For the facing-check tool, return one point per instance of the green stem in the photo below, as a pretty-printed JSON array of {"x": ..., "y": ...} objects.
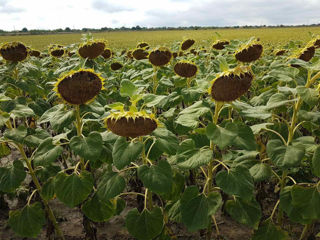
[
  {"x": 209, "y": 182},
  {"x": 155, "y": 80},
  {"x": 148, "y": 194},
  {"x": 38, "y": 186},
  {"x": 305, "y": 231},
  {"x": 282, "y": 185},
  {"x": 79, "y": 131}
]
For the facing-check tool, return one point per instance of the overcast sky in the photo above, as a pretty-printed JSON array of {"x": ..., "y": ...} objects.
[{"x": 44, "y": 14}]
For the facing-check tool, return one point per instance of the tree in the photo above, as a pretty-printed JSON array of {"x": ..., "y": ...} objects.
[{"x": 24, "y": 29}]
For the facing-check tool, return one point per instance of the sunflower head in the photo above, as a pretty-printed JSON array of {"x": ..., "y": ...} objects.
[
  {"x": 316, "y": 42},
  {"x": 185, "y": 69},
  {"x": 34, "y": 53},
  {"x": 220, "y": 44},
  {"x": 160, "y": 56},
  {"x": 79, "y": 87},
  {"x": 140, "y": 53},
  {"x": 186, "y": 44},
  {"x": 14, "y": 51},
  {"x": 91, "y": 48},
  {"x": 131, "y": 124},
  {"x": 231, "y": 84},
  {"x": 143, "y": 45},
  {"x": 116, "y": 66},
  {"x": 280, "y": 52},
  {"x": 129, "y": 54},
  {"x": 249, "y": 52},
  {"x": 304, "y": 54},
  {"x": 107, "y": 53},
  {"x": 56, "y": 50}
]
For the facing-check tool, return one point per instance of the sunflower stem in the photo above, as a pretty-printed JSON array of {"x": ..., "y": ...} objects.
[{"x": 78, "y": 126}]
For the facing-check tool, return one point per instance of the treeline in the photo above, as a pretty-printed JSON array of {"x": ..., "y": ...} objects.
[{"x": 25, "y": 31}]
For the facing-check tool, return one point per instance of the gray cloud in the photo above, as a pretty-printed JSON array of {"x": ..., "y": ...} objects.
[
  {"x": 234, "y": 12},
  {"x": 108, "y": 7},
  {"x": 5, "y": 7}
]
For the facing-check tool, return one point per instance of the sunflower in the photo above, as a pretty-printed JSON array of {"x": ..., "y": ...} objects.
[
  {"x": 220, "y": 44},
  {"x": 56, "y": 50},
  {"x": 131, "y": 124},
  {"x": 116, "y": 66},
  {"x": 107, "y": 53},
  {"x": 91, "y": 49},
  {"x": 304, "y": 54},
  {"x": 231, "y": 84},
  {"x": 280, "y": 52},
  {"x": 185, "y": 69},
  {"x": 249, "y": 52},
  {"x": 140, "y": 53},
  {"x": 143, "y": 45},
  {"x": 160, "y": 56},
  {"x": 79, "y": 87},
  {"x": 14, "y": 51},
  {"x": 34, "y": 53},
  {"x": 186, "y": 44}
]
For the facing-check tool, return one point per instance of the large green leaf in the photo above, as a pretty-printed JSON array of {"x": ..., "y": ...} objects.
[
  {"x": 194, "y": 209},
  {"x": 294, "y": 212},
  {"x": 16, "y": 134},
  {"x": 21, "y": 111},
  {"x": 58, "y": 116},
  {"x": 166, "y": 140},
  {"x": 220, "y": 136},
  {"x": 308, "y": 95},
  {"x": 316, "y": 162},
  {"x": 189, "y": 117},
  {"x": 127, "y": 88},
  {"x": 73, "y": 189},
  {"x": 308, "y": 199},
  {"x": 87, "y": 147},
  {"x": 157, "y": 177},
  {"x": 28, "y": 221},
  {"x": 237, "y": 181},
  {"x": 245, "y": 212},
  {"x": 260, "y": 172},
  {"x": 98, "y": 210},
  {"x": 214, "y": 202},
  {"x": 244, "y": 138},
  {"x": 11, "y": 177},
  {"x": 146, "y": 225},
  {"x": 47, "y": 153},
  {"x": 285, "y": 156},
  {"x": 267, "y": 230},
  {"x": 200, "y": 157},
  {"x": 124, "y": 152},
  {"x": 110, "y": 185}
]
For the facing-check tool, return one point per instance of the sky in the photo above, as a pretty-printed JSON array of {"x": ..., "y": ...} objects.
[{"x": 44, "y": 14}]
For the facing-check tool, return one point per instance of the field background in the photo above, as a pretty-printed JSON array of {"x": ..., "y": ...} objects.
[{"x": 129, "y": 39}]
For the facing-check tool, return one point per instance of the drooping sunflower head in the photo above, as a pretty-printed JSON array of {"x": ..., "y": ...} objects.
[
  {"x": 249, "y": 52},
  {"x": 280, "y": 52},
  {"x": 186, "y": 44},
  {"x": 14, "y": 51},
  {"x": 131, "y": 124},
  {"x": 305, "y": 54},
  {"x": 160, "y": 56},
  {"x": 143, "y": 45},
  {"x": 231, "y": 84},
  {"x": 91, "y": 48},
  {"x": 34, "y": 53},
  {"x": 107, "y": 53},
  {"x": 185, "y": 69},
  {"x": 129, "y": 54},
  {"x": 79, "y": 87},
  {"x": 316, "y": 42},
  {"x": 140, "y": 53},
  {"x": 220, "y": 44},
  {"x": 116, "y": 66},
  {"x": 56, "y": 50}
]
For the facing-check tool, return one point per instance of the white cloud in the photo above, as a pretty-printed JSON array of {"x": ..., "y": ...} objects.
[{"x": 45, "y": 14}]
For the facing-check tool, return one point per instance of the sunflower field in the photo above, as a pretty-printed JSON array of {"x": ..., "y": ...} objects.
[{"x": 177, "y": 141}]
